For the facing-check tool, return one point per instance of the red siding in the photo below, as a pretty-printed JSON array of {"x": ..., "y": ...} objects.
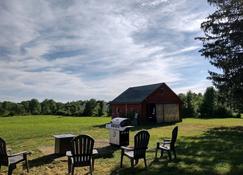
[{"x": 122, "y": 110}]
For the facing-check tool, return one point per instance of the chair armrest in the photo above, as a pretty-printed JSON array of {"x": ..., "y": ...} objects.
[
  {"x": 9, "y": 151},
  {"x": 69, "y": 154},
  {"x": 127, "y": 148},
  {"x": 166, "y": 141},
  {"x": 95, "y": 152},
  {"x": 21, "y": 153}
]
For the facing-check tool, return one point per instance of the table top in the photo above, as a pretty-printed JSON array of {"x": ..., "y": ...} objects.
[
  {"x": 64, "y": 136},
  {"x": 95, "y": 151}
]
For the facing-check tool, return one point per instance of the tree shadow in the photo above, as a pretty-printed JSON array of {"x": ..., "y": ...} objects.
[
  {"x": 217, "y": 151},
  {"x": 103, "y": 152},
  {"x": 43, "y": 160},
  {"x": 106, "y": 151},
  {"x": 151, "y": 125},
  {"x": 146, "y": 126}
]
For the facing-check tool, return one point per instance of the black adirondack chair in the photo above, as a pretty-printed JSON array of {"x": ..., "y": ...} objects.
[
  {"x": 81, "y": 153},
  {"x": 141, "y": 140},
  {"x": 12, "y": 160},
  {"x": 168, "y": 145}
]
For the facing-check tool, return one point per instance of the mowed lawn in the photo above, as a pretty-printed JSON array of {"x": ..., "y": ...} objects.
[{"x": 212, "y": 146}]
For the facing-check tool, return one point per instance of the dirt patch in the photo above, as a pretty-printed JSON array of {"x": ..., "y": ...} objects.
[
  {"x": 47, "y": 150},
  {"x": 101, "y": 143}
]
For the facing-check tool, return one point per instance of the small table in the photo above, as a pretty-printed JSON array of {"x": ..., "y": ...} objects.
[{"x": 63, "y": 143}]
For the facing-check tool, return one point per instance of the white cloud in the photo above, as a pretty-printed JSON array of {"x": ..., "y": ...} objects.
[{"x": 69, "y": 50}]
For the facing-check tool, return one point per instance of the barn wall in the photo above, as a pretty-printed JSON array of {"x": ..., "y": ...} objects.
[{"x": 123, "y": 110}]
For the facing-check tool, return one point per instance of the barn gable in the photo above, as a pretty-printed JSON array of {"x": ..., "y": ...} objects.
[{"x": 163, "y": 94}]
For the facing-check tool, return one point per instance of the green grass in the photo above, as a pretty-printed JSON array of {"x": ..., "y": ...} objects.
[{"x": 211, "y": 146}]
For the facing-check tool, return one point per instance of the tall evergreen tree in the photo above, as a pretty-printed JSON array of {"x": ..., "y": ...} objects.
[
  {"x": 208, "y": 105},
  {"x": 223, "y": 46}
]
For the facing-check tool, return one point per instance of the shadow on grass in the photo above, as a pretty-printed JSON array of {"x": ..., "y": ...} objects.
[
  {"x": 146, "y": 126},
  {"x": 46, "y": 159},
  {"x": 103, "y": 152},
  {"x": 106, "y": 151},
  {"x": 217, "y": 151}
]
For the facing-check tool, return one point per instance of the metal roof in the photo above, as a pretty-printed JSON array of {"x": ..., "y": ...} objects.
[{"x": 136, "y": 94}]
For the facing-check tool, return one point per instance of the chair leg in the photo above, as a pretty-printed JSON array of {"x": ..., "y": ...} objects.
[
  {"x": 90, "y": 169},
  {"x": 10, "y": 169},
  {"x": 156, "y": 153},
  {"x": 174, "y": 151},
  {"x": 132, "y": 163},
  {"x": 72, "y": 170},
  {"x": 27, "y": 164},
  {"x": 121, "y": 159},
  {"x": 145, "y": 163},
  {"x": 169, "y": 154},
  {"x": 69, "y": 165},
  {"x": 161, "y": 153},
  {"x": 93, "y": 164}
]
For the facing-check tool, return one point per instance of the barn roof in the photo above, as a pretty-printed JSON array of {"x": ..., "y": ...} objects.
[{"x": 136, "y": 94}]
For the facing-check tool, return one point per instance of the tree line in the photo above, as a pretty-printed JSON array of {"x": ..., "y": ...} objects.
[
  {"x": 90, "y": 107},
  {"x": 207, "y": 105}
]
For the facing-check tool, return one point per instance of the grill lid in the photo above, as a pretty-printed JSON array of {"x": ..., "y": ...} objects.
[{"x": 120, "y": 122}]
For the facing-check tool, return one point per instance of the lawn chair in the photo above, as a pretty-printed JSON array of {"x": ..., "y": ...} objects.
[
  {"x": 12, "y": 160},
  {"x": 81, "y": 153},
  {"x": 141, "y": 140},
  {"x": 168, "y": 145}
]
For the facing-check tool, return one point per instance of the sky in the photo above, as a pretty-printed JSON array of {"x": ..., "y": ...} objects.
[{"x": 82, "y": 49}]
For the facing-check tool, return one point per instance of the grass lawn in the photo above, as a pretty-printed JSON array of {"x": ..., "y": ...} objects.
[{"x": 212, "y": 146}]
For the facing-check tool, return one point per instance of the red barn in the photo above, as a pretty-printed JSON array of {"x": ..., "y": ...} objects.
[{"x": 155, "y": 102}]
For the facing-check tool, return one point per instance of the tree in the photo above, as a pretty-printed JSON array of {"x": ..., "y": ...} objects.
[
  {"x": 20, "y": 109},
  {"x": 26, "y": 105},
  {"x": 48, "y": 107},
  {"x": 208, "y": 105},
  {"x": 9, "y": 108},
  {"x": 89, "y": 107},
  {"x": 223, "y": 46},
  {"x": 190, "y": 109},
  {"x": 35, "y": 107}
]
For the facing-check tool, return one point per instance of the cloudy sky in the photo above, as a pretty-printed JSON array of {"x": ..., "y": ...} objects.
[{"x": 81, "y": 49}]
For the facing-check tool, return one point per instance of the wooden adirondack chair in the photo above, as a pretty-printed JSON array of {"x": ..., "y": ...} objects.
[
  {"x": 81, "y": 153},
  {"x": 141, "y": 140},
  {"x": 168, "y": 145},
  {"x": 12, "y": 160}
]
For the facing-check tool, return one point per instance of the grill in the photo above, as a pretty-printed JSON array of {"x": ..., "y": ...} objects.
[{"x": 119, "y": 131}]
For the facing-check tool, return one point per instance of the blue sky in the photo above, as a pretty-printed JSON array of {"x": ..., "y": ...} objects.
[{"x": 71, "y": 50}]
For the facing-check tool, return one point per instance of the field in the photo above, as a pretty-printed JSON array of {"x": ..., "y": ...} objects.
[{"x": 212, "y": 146}]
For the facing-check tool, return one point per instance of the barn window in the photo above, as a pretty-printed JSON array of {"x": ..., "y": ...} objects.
[{"x": 117, "y": 110}]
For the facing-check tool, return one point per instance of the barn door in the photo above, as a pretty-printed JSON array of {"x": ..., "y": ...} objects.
[
  {"x": 171, "y": 112},
  {"x": 159, "y": 113}
]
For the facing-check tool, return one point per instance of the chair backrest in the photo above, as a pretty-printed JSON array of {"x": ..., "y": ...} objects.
[
  {"x": 3, "y": 153},
  {"x": 174, "y": 136},
  {"x": 82, "y": 148},
  {"x": 141, "y": 140}
]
